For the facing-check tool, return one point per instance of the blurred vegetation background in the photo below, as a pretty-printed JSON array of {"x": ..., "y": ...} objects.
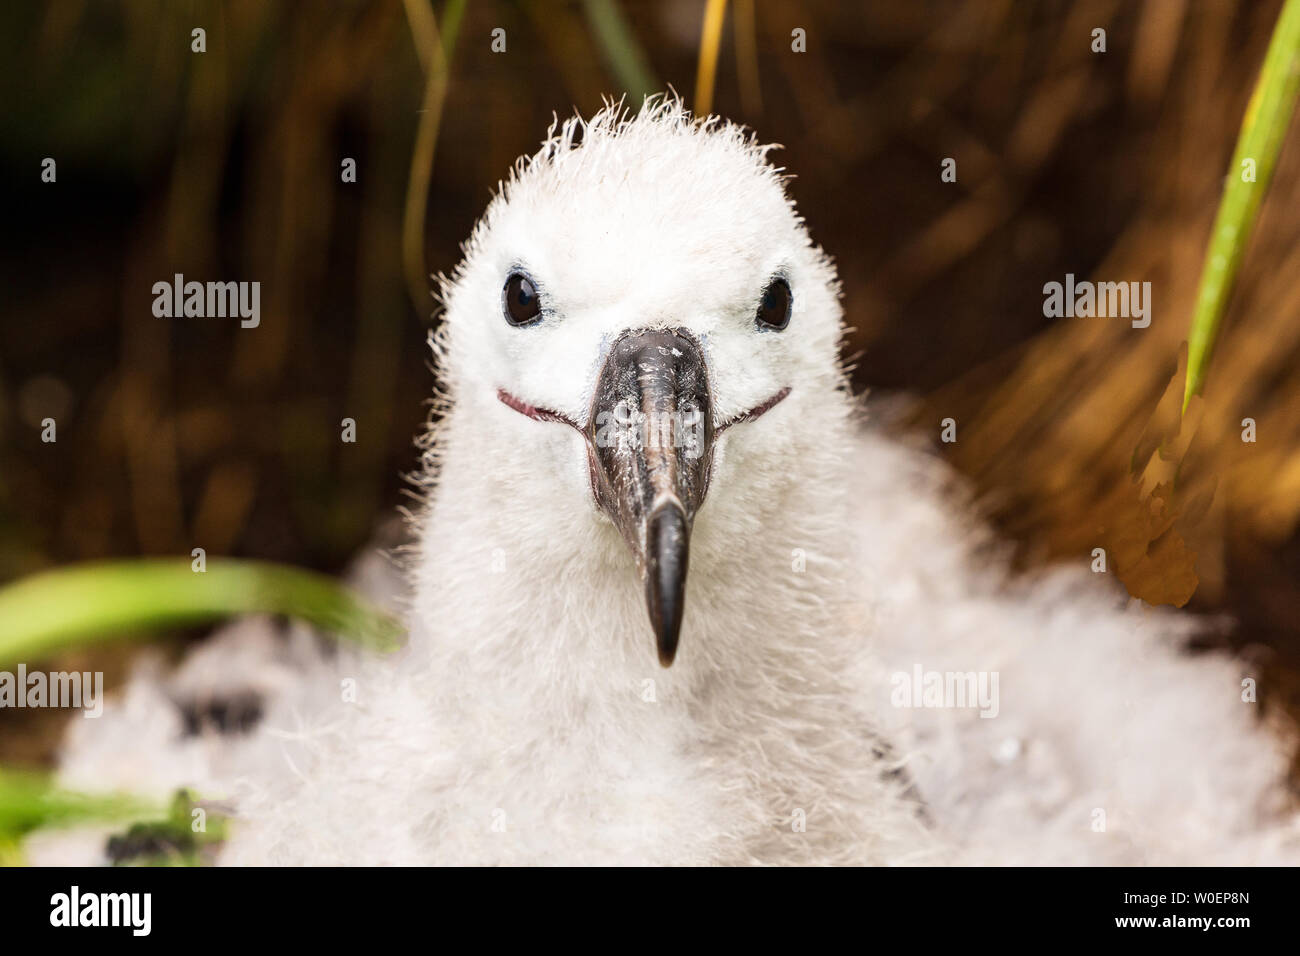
[{"x": 226, "y": 165}]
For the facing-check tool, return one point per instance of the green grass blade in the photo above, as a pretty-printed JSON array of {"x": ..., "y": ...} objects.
[
  {"x": 173, "y": 840},
  {"x": 1262, "y": 131},
  {"x": 57, "y": 609},
  {"x": 622, "y": 53},
  {"x": 30, "y": 801},
  {"x": 452, "y": 15}
]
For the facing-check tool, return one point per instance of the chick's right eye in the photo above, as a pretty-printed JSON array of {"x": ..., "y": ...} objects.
[
  {"x": 774, "y": 307},
  {"x": 522, "y": 303}
]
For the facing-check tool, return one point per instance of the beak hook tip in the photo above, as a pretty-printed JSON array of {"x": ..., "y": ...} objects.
[{"x": 667, "y": 541}]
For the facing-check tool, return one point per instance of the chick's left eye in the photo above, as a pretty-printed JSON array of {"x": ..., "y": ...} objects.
[
  {"x": 522, "y": 303},
  {"x": 774, "y": 308}
]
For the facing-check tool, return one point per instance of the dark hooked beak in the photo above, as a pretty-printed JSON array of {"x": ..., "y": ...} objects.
[{"x": 651, "y": 434}]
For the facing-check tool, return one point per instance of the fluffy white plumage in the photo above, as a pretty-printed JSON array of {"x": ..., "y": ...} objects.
[{"x": 528, "y": 720}]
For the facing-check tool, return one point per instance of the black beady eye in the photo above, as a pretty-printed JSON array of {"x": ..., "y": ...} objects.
[
  {"x": 774, "y": 307},
  {"x": 522, "y": 303}
]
